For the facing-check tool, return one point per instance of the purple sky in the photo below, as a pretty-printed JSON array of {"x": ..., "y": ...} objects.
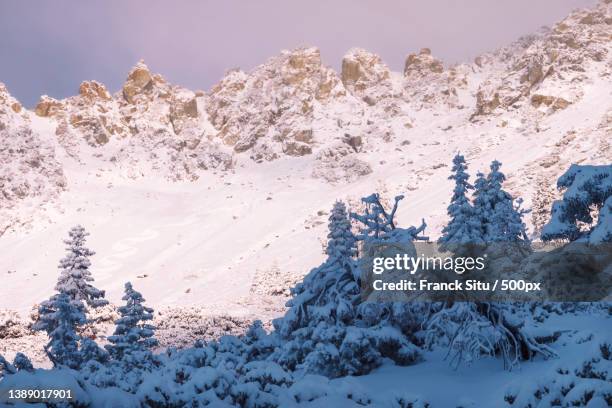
[{"x": 49, "y": 47}]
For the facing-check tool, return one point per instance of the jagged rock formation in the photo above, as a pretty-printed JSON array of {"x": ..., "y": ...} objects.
[
  {"x": 547, "y": 70},
  {"x": 294, "y": 105},
  {"x": 28, "y": 164},
  {"x": 366, "y": 76},
  {"x": 427, "y": 83},
  {"x": 271, "y": 111},
  {"x": 149, "y": 117}
]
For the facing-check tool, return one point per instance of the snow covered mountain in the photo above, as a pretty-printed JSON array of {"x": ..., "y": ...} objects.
[{"x": 201, "y": 196}]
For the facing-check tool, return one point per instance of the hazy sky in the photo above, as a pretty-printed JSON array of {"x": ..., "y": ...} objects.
[{"x": 49, "y": 47}]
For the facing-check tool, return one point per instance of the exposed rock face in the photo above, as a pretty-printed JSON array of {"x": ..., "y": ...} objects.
[
  {"x": 555, "y": 103},
  {"x": 138, "y": 81},
  {"x": 293, "y": 105},
  {"x": 422, "y": 64},
  {"x": 8, "y": 102},
  {"x": 546, "y": 70},
  {"x": 28, "y": 166},
  {"x": 93, "y": 90},
  {"x": 150, "y": 117},
  {"x": 366, "y": 76},
  {"x": 9, "y": 106},
  {"x": 427, "y": 83},
  {"x": 270, "y": 111},
  {"x": 48, "y": 106},
  {"x": 183, "y": 111}
]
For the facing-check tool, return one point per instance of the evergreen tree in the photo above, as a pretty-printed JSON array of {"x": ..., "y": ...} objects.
[
  {"x": 133, "y": 337},
  {"x": 501, "y": 219},
  {"x": 506, "y": 220},
  {"x": 325, "y": 331},
  {"x": 90, "y": 351},
  {"x": 378, "y": 224},
  {"x": 482, "y": 208},
  {"x": 330, "y": 291},
  {"x": 342, "y": 243},
  {"x": 376, "y": 221},
  {"x": 75, "y": 275},
  {"x": 587, "y": 188},
  {"x": 506, "y": 223},
  {"x": 59, "y": 317},
  {"x": 464, "y": 226},
  {"x": 22, "y": 362}
]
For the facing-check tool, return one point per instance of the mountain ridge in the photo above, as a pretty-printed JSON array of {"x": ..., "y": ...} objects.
[{"x": 154, "y": 169}]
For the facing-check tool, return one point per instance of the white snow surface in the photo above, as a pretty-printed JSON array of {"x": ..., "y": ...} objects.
[
  {"x": 201, "y": 242},
  {"x": 210, "y": 235}
]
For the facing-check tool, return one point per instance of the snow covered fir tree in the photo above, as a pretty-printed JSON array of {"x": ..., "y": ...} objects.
[
  {"x": 491, "y": 216},
  {"x": 59, "y": 317},
  {"x": 464, "y": 227},
  {"x": 75, "y": 277},
  {"x": 587, "y": 188},
  {"x": 330, "y": 341},
  {"x": 326, "y": 329},
  {"x": 133, "y": 337},
  {"x": 501, "y": 216}
]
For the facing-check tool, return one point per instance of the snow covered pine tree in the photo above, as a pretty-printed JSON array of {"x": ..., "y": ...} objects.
[
  {"x": 323, "y": 331},
  {"x": 475, "y": 329},
  {"x": 59, "y": 317},
  {"x": 586, "y": 188},
  {"x": 133, "y": 338},
  {"x": 75, "y": 275},
  {"x": 501, "y": 219},
  {"x": 464, "y": 228},
  {"x": 73, "y": 285}
]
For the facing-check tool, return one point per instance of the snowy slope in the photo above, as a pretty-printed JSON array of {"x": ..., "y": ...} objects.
[
  {"x": 243, "y": 206},
  {"x": 212, "y": 234}
]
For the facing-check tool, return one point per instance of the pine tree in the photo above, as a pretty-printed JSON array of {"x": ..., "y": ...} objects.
[
  {"x": 501, "y": 219},
  {"x": 342, "y": 244},
  {"x": 133, "y": 337},
  {"x": 6, "y": 367},
  {"x": 482, "y": 208},
  {"x": 506, "y": 224},
  {"x": 90, "y": 351},
  {"x": 376, "y": 221},
  {"x": 464, "y": 227},
  {"x": 59, "y": 317},
  {"x": 506, "y": 220},
  {"x": 378, "y": 224},
  {"x": 586, "y": 188},
  {"x": 75, "y": 275},
  {"x": 329, "y": 291},
  {"x": 324, "y": 331}
]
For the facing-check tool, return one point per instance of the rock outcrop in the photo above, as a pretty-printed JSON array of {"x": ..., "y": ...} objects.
[
  {"x": 366, "y": 76},
  {"x": 149, "y": 118},
  {"x": 270, "y": 111},
  {"x": 29, "y": 168},
  {"x": 546, "y": 71},
  {"x": 422, "y": 64},
  {"x": 428, "y": 83},
  {"x": 339, "y": 163}
]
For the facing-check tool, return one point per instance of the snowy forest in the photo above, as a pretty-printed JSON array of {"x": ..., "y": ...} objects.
[{"x": 331, "y": 348}]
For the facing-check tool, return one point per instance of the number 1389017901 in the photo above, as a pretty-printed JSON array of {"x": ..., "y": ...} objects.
[{"x": 39, "y": 395}]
